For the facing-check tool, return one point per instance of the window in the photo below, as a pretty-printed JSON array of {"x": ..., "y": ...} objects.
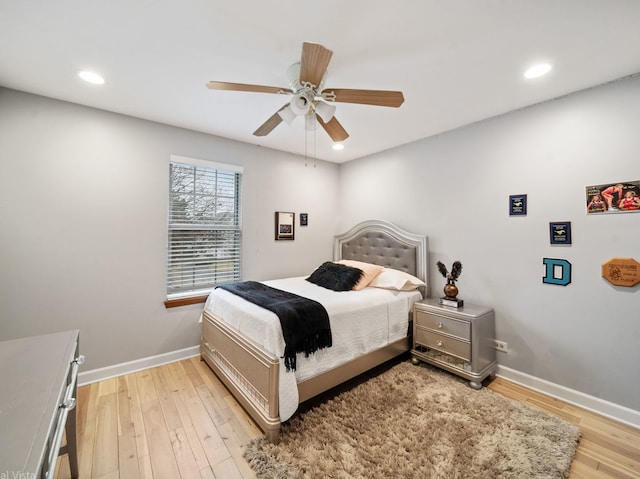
[{"x": 205, "y": 234}]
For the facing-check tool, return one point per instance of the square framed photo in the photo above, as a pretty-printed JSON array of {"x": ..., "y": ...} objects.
[
  {"x": 517, "y": 205},
  {"x": 285, "y": 225},
  {"x": 560, "y": 233}
]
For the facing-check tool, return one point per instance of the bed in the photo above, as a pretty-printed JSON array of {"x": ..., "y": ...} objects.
[{"x": 242, "y": 343}]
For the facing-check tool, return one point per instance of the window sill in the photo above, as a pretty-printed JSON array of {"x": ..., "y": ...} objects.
[{"x": 174, "y": 303}]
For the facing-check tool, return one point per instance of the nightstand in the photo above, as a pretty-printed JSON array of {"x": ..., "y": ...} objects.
[{"x": 459, "y": 340}]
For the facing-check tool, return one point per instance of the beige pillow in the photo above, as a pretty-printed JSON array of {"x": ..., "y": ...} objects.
[
  {"x": 391, "y": 278},
  {"x": 369, "y": 272}
]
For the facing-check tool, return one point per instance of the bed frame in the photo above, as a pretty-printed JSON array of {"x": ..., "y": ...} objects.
[{"x": 252, "y": 375}]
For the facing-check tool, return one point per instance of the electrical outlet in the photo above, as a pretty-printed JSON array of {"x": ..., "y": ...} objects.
[{"x": 500, "y": 346}]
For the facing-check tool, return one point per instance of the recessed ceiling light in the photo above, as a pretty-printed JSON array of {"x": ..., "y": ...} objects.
[
  {"x": 91, "y": 77},
  {"x": 537, "y": 70},
  {"x": 338, "y": 146}
]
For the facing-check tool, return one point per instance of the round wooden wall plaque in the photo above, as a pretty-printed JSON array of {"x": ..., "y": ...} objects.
[{"x": 622, "y": 271}]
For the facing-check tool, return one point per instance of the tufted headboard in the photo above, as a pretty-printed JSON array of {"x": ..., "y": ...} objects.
[{"x": 383, "y": 243}]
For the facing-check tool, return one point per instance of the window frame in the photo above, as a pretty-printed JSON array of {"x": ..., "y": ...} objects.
[{"x": 199, "y": 295}]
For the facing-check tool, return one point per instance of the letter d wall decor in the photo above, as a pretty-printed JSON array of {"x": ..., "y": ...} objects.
[{"x": 557, "y": 271}]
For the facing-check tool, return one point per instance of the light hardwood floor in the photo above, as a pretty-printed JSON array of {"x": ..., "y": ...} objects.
[{"x": 179, "y": 421}]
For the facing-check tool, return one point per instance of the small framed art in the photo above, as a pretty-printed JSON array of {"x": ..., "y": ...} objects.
[
  {"x": 285, "y": 225},
  {"x": 304, "y": 219},
  {"x": 517, "y": 205},
  {"x": 560, "y": 233}
]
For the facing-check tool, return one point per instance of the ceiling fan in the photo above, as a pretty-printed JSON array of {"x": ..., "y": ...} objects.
[{"x": 310, "y": 98}]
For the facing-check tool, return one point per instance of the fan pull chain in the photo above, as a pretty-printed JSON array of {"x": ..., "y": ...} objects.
[
  {"x": 308, "y": 119},
  {"x": 315, "y": 129}
]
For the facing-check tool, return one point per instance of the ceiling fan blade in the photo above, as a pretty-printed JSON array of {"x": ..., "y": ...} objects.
[
  {"x": 268, "y": 126},
  {"x": 220, "y": 85},
  {"x": 365, "y": 97},
  {"x": 334, "y": 129},
  {"x": 314, "y": 63}
]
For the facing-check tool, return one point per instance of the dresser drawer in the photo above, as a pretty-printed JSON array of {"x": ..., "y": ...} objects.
[
  {"x": 454, "y": 327},
  {"x": 446, "y": 344}
]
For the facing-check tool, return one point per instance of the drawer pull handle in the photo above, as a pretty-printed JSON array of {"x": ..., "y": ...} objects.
[
  {"x": 439, "y": 325},
  {"x": 439, "y": 343},
  {"x": 69, "y": 404}
]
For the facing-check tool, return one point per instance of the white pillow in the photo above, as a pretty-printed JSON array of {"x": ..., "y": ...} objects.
[
  {"x": 369, "y": 272},
  {"x": 391, "y": 278}
]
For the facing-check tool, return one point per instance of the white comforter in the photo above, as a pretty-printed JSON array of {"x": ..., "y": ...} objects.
[{"x": 361, "y": 321}]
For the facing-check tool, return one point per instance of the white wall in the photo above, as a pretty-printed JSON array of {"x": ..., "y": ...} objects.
[
  {"x": 455, "y": 188},
  {"x": 83, "y": 197},
  {"x": 83, "y": 208}
]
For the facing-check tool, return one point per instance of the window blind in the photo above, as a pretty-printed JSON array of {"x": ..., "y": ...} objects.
[{"x": 205, "y": 235}]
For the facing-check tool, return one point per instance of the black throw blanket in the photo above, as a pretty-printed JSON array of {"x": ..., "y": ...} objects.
[{"x": 305, "y": 322}]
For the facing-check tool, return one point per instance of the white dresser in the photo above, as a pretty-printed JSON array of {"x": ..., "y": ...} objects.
[{"x": 37, "y": 404}]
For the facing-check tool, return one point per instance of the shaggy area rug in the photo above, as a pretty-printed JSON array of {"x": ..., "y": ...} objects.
[{"x": 418, "y": 422}]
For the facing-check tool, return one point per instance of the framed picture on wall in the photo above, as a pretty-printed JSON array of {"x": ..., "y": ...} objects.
[
  {"x": 285, "y": 225},
  {"x": 560, "y": 233},
  {"x": 304, "y": 219},
  {"x": 517, "y": 205},
  {"x": 620, "y": 197}
]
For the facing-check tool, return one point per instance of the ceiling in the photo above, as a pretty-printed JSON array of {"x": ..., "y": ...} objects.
[{"x": 457, "y": 62}]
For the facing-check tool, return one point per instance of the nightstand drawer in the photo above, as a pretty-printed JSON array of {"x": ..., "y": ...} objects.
[
  {"x": 446, "y": 344},
  {"x": 444, "y": 325}
]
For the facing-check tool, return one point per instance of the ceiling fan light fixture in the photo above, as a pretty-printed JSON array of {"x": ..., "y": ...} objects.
[
  {"x": 338, "y": 146},
  {"x": 293, "y": 74},
  {"x": 325, "y": 111},
  {"x": 287, "y": 115},
  {"x": 301, "y": 103}
]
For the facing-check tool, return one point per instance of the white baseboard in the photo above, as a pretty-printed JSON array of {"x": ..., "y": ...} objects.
[
  {"x": 599, "y": 406},
  {"x": 95, "y": 375}
]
